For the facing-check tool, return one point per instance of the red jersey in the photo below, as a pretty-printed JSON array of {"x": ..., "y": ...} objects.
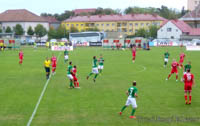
[
  {"x": 175, "y": 65},
  {"x": 182, "y": 56},
  {"x": 74, "y": 72},
  {"x": 53, "y": 60},
  {"x": 21, "y": 54},
  {"x": 188, "y": 79}
]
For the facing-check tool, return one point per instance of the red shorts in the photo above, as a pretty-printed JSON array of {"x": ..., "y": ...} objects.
[
  {"x": 174, "y": 71},
  {"x": 188, "y": 87},
  {"x": 20, "y": 58},
  {"x": 54, "y": 65},
  {"x": 133, "y": 54},
  {"x": 181, "y": 62},
  {"x": 75, "y": 78}
]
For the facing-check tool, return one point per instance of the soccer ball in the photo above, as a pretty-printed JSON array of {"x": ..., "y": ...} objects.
[{"x": 123, "y": 49}]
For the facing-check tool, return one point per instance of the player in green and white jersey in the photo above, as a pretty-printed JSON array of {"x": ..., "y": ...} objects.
[
  {"x": 94, "y": 69},
  {"x": 69, "y": 75},
  {"x": 66, "y": 55},
  {"x": 187, "y": 67},
  {"x": 101, "y": 62},
  {"x": 166, "y": 59},
  {"x": 132, "y": 95}
]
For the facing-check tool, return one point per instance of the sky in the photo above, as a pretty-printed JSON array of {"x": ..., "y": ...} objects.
[{"x": 59, "y": 6}]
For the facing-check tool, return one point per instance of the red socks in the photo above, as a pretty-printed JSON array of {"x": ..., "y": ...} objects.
[
  {"x": 176, "y": 77},
  {"x": 169, "y": 76},
  {"x": 185, "y": 97},
  {"x": 190, "y": 98}
]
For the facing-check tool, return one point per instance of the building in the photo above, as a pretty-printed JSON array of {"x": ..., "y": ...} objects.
[
  {"x": 177, "y": 29},
  {"x": 128, "y": 24},
  {"x": 53, "y": 22},
  {"x": 23, "y": 17},
  {"x": 80, "y": 11},
  {"x": 192, "y": 4},
  {"x": 193, "y": 18}
]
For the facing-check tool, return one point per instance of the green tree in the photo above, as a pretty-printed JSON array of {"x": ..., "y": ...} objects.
[
  {"x": 142, "y": 33},
  {"x": 8, "y": 30},
  {"x": 73, "y": 29},
  {"x": 18, "y": 30},
  {"x": 1, "y": 30},
  {"x": 30, "y": 31},
  {"x": 40, "y": 31},
  {"x": 62, "y": 32},
  {"x": 153, "y": 31},
  {"x": 52, "y": 34}
]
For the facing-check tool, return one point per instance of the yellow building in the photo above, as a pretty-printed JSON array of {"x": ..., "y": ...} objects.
[{"x": 128, "y": 24}]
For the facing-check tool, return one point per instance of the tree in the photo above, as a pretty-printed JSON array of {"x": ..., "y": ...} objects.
[
  {"x": 1, "y": 30},
  {"x": 18, "y": 30},
  {"x": 73, "y": 29},
  {"x": 52, "y": 34},
  {"x": 30, "y": 31},
  {"x": 141, "y": 33},
  {"x": 62, "y": 32},
  {"x": 8, "y": 29},
  {"x": 153, "y": 31},
  {"x": 40, "y": 30}
]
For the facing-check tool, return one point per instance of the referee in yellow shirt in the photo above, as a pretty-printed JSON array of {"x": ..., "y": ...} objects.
[{"x": 47, "y": 64}]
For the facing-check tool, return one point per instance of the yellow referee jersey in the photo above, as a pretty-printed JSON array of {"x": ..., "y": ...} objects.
[{"x": 47, "y": 63}]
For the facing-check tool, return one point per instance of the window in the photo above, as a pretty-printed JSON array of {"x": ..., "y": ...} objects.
[
  {"x": 81, "y": 24},
  {"x": 131, "y": 24},
  {"x": 161, "y": 30},
  {"x": 77, "y": 25},
  {"x": 136, "y": 24},
  {"x": 169, "y": 29},
  {"x": 97, "y": 24},
  {"x": 176, "y": 30},
  {"x": 113, "y": 24},
  {"x": 142, "y": 24},
  {"x": 112, "y": 30},
  {"x": 108, "y": 25},
  {"x": 136, "y": 31},
  {"x": 72, "y": 25},
  {"x": 196, "y": 2},
  {"x": 147, "y": 24},
  {"x": 130, "y": 30},
  {"x": 67, "y": 24},
  {"x": 102, "y": 24}
]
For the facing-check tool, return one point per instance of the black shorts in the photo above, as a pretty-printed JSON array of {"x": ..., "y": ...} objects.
[{"x": 47, "y": 69}]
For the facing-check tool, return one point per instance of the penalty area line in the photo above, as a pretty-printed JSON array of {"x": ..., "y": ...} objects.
[{"x": 40, "y": 98}]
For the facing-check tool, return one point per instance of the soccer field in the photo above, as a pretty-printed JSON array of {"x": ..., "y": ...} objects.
[{"x": 160, "y": 102}]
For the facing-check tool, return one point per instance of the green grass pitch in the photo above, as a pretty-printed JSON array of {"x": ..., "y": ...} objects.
[{"x": 160, "y": 102}]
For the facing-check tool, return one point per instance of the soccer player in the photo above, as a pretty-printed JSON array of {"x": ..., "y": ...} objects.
[
  {"x": 133, "y": 53},
  {"x": 166, "y": 59},
  {"x": 132, "y": 95},
  {"x": 101, "y": 62},
  {"x": 69, "y": 75},
  {"x": 21, "y": 57},
  {"x": 182, "y": 56},
  {"x": 187, "y": 67},
  {"x": 47, "y": 64},
  {"x": 74, "y": 71},
  {"x": 174, "y": 69},
  {"x": 94, "y": 69},
  {"x": 66, "y": 55},
  {"x": 188, "y": 79},
  {"x": 54, "y": 62}
]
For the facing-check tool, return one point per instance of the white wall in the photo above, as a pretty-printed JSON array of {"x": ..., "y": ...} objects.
[
  {"x": 164, "y": 34},
  {"x": 25, "y": 25}
]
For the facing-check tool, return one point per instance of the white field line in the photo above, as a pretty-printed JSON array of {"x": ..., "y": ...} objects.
[{"x": 40, "y": 98}]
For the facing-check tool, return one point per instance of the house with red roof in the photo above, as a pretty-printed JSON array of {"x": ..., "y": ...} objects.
[
  {"x": 53, "y": 22},
  {"x": 23, "y": 17},
  {"x": 177, "y": 29},
  {"x": 80, "y": 11}
]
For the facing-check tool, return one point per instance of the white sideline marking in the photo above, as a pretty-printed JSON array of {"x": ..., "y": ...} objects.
[{"x": 40, "y": 98}]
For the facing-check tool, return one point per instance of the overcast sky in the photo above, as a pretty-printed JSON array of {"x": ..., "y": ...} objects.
[{"x": 58, "y": 6}]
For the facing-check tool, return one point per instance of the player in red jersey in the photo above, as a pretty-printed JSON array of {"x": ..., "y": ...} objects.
[
  {"x": 134, "y": 53},
  {"x": 182, "y": 56},
  {"x": 174, "y": 69},
  {"x": 54, "y": 62},
  {"x": 188, "y": 79},
  {"x": 76, "y": 83},
  {"x": 21, "y": 57}
]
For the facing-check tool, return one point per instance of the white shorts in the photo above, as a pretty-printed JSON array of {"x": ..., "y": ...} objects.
[
  {"x": 100, "y": 67},
  {"x": 95, "y": 70},
  {"x": 66, "y": 57},
  {"x": 131, "y": 101},
  {"x": 70, "y": 76},
  {"x": 166, "y": 59}
]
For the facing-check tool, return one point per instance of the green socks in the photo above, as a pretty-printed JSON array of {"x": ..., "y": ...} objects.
[
  {"x": 133, "y": 111},
  {"x": 95, "y": 76},
  {"x": 123, "y": 108}
]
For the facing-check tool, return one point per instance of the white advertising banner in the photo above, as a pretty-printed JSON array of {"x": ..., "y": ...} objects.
[
  {"x": 61, "y": 48},
  {"x": 193, "y": 48}
]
